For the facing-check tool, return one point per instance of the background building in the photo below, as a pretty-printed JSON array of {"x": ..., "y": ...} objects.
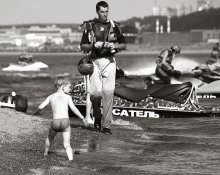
[{"x": 204, "y": 5}]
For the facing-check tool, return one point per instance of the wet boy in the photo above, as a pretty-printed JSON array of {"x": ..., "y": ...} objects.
[{"x": 60, "y": 101}]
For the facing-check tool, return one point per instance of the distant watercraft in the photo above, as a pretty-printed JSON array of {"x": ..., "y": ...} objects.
[{"x": 26, "y": 63}]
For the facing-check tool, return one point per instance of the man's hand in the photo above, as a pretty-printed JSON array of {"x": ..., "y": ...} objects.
[
  {"x": 176, "y": 73},
  {"x": 109, "y": 45},
  {"x": 98, "y": 44}
]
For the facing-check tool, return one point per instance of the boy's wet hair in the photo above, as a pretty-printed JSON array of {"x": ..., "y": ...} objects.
[{"x": 61, "y": 81}]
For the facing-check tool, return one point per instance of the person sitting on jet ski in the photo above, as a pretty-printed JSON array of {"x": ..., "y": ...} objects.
[
  {"x": 165, "y": 69},
  {"x": 25, "y": 59},
  {"x": 210, "y": 68}
]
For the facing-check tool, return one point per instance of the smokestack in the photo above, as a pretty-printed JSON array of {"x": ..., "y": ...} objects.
[
  {"x": 168, "y": 25},
  {"x": 157, "y": 26},
  {"x": 161, "y": 29}
]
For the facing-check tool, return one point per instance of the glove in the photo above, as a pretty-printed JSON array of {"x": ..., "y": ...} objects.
[
  {"x": 176, "y": 73},
  {"x": 170, "y": 72},
  {"x": 109, "y": 45},
  {"x": 196, "y": 68},
  {"x": 98, "y": 44}
]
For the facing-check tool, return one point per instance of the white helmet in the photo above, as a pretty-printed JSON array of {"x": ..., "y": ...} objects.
[{"x": 13, "y": 93}]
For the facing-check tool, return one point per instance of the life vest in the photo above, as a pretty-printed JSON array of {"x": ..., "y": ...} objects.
[
  {"x": 169, "y": 58},
  {"x": 95, "y": 28},
  {"x": 101, "y": 31}
]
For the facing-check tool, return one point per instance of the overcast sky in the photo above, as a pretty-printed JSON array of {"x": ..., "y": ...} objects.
[{"x": 77, "y": 11}]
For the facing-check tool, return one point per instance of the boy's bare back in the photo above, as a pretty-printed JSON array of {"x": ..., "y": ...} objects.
[{"x": 59, "y": 102}]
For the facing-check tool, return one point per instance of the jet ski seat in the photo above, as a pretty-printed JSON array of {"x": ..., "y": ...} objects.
[{"x": 173, "y": 92}]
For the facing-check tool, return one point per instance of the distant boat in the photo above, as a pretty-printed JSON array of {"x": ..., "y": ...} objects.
[{"x": 26, "y": 63}]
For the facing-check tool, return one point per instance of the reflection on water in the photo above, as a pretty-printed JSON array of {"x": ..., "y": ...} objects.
[
  {"x": 163, "y": 146},
  {"x": 91, "y": 145}
]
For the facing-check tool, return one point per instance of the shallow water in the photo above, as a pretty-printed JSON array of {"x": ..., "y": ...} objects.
[{"x": 137, "y": 145}]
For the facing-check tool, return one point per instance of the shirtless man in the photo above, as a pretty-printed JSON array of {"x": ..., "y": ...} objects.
[{"x": 60, "y": 101}]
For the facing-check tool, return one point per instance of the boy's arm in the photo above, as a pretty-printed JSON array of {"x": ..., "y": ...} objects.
[
  {"x": 42, "y": 106},
  {"x": 75, "y": 110}
]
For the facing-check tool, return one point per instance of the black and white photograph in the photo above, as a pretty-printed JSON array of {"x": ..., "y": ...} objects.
[{"x": 92, "y": 87}]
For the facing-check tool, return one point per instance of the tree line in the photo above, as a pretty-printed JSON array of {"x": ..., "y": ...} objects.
[{"x": 206, "y": 19}]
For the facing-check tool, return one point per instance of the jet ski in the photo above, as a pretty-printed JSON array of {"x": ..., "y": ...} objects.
[
  {"x": 26, "y": 63},
  {"x": 170, "y": 100},
  {"x": 35, "y": 66},
  {"x": 207, "y": 85},
  {"x": 14, "y": 101}
]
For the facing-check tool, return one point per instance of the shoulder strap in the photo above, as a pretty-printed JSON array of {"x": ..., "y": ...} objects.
[
  {"x": 87, "y": 26},
  {"x": 112, "y": 23},
  {"x": 111, "y": 30}
]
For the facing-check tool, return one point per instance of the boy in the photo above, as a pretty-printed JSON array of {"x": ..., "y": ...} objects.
[{"x": 60, "y": 101}]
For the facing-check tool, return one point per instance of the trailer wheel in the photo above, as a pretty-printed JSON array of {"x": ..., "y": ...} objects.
[{"x": 21, "y": 103}]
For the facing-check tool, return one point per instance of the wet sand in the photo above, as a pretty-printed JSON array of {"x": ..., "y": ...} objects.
[
  {"x": 22, "y": 144},
  {"x": 137, "y": 146}
]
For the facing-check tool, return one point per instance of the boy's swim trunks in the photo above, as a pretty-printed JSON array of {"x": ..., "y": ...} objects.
[{"x": 60, "y": 125}]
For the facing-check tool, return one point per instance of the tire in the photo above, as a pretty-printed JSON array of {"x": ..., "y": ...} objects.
[{"x": 21, "y": 103}]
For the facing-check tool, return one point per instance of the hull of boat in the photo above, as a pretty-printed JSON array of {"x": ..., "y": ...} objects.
[
  {"x": 36, "y": 66},
  {"x": 120, "y": 111}
]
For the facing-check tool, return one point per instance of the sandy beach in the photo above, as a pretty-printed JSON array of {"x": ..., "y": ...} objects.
[
  {"x": 22, "y": 144},
  {"x": 166, "y": 146}
]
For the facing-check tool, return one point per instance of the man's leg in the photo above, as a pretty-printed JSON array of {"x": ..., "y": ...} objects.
[
  {"x": 164, "y": 77},
  {"x": 108, "y": 94},
  {"x": 49, "y": 140},
  {"x": 66, "y": 143},
  {"x": 96, "y": 95}
]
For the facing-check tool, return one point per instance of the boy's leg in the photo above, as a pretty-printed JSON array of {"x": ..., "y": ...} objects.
[
  {"x": 49, "y": 140},
  {"x": 66, "y": 143}
]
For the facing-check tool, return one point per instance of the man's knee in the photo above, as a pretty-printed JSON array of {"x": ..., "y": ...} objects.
[
  {"x": 96, "y": 93},
  {"x": 109, "y": 91}
]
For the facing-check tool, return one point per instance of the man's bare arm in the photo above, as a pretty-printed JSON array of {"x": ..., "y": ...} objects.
[
  {"x": 86, "y": 47},
  {"x": 121, "y": 46}
]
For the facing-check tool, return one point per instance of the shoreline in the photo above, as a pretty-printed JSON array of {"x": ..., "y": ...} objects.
[
  {"x": 135, "y": 147},
  {"x": 129, "y": 52}
]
